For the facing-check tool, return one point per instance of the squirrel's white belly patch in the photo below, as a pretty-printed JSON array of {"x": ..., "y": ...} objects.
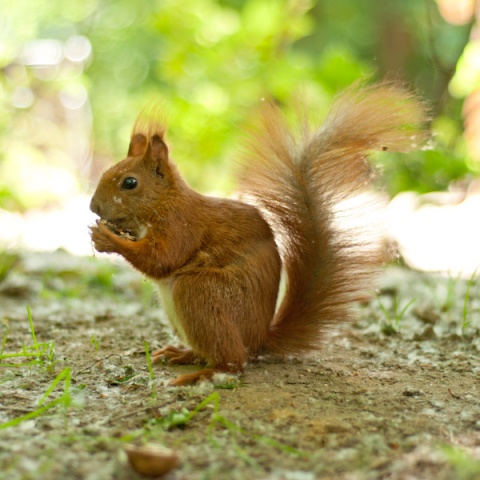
[{"x": 165, "y": 292}]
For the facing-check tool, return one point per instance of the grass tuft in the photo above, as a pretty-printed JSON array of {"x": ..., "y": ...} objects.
[
  {"x": 391, "y": 324},
  {"x": 466, "y": 320},
  {"x": 36, "y": 354},
  {"x": 65, "y": 400}
]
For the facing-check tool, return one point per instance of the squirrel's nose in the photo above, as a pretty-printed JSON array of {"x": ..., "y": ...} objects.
[{"x": 95, "y": 206}]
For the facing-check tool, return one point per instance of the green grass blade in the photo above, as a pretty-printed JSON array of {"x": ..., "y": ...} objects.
[
  {"x": 32, "y": 329},
  {"x": 150, "y": 370}
]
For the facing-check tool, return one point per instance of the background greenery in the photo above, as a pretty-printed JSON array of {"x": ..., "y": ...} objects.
[{"x": 74, "y": 75}]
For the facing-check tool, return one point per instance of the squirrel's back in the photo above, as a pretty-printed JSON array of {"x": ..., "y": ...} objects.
[{"x": 300, "y": 180}]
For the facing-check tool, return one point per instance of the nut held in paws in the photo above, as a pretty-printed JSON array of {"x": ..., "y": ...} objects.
[{"x": 117, "y": 230}]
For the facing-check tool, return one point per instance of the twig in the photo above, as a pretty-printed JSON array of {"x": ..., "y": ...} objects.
[
  {"x": 97, "y": 361},
  {"x": 455, "y": 396},
  {"x": 15, "y": 409},
  {"x": 134, "y": 411}
]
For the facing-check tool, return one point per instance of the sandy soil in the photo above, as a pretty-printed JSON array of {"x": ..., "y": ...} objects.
[{"x": 394, "y": 395}]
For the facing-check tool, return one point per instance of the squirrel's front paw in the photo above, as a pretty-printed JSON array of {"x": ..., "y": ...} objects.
[
  {"x": 175, "y": 355},
  {"x": 103, "y": 239}
]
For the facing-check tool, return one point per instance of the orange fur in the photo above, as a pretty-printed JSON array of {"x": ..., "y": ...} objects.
[{"x": 218, "y": 261}]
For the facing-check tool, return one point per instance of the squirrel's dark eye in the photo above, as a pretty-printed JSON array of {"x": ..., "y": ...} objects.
[{"x": 129, "y": 183}]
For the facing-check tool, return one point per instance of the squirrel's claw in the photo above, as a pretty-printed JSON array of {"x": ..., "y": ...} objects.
[{"x": 174, "y": 356}]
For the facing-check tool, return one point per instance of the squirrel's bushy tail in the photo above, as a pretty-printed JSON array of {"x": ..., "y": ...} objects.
[{"x": 300, "y": 179}]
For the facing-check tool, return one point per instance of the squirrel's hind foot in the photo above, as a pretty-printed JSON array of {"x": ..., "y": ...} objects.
[
  {"x": 207, "y": 374},
  {"x": 193, "y": 378}
]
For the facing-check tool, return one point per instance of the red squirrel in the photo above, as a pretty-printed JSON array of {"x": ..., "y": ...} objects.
[{"x": 217, "y": 261}]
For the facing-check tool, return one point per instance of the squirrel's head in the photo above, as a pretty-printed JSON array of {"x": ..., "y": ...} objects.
[{"x": 133, "y": 193}]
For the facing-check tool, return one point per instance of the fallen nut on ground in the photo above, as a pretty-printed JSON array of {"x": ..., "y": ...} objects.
[{"x": 151, "y": 460}]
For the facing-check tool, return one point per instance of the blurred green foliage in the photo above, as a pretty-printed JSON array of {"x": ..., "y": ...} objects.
[{"x": 74, "y": 75}]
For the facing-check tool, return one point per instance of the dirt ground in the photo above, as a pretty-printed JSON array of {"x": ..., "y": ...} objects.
[{"x": 394, "y": 395}]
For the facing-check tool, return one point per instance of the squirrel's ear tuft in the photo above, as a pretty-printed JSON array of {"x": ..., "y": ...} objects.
[
  {"x": 157, "y": 154},
  {"x": 148, "y": 133},
  {"x": 138, "y": 145},
  {"x": 151, "y": 121}
]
